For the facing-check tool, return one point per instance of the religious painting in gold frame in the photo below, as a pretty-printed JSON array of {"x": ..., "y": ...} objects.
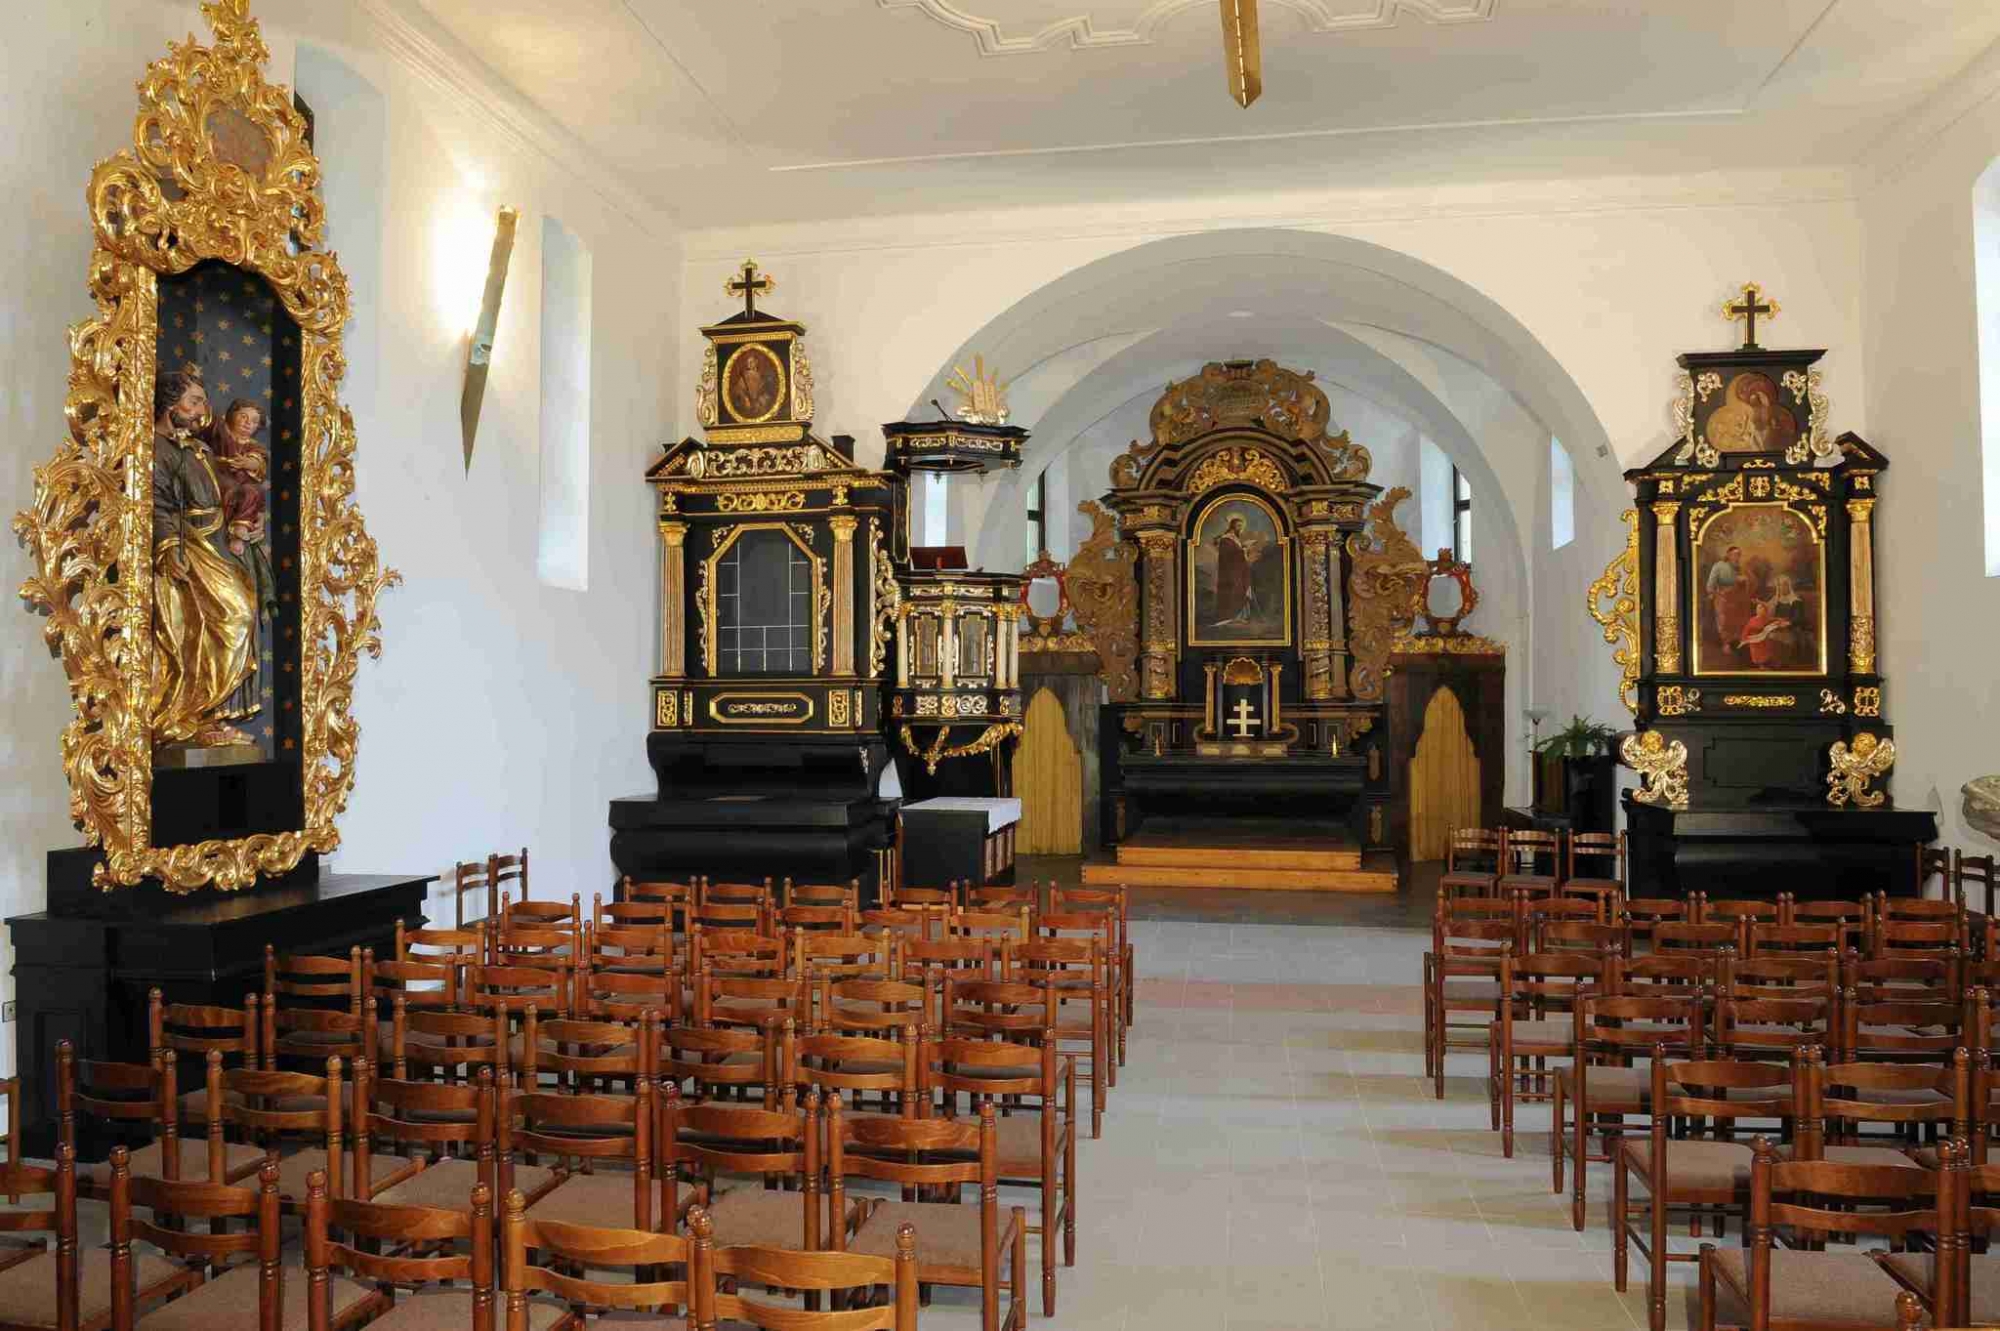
[
  {"x": 148, "y": 599},
  {"x": 753, "y": 383},
  {"x": 1238, "y": 575},
  {"x": 1758, "y": 593}
]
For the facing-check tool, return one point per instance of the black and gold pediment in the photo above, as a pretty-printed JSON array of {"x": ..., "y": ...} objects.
[{"x": 756, "y": 378}]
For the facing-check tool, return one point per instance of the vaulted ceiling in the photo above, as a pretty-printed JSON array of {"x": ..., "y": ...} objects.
[{"x": 733, "y": 111}]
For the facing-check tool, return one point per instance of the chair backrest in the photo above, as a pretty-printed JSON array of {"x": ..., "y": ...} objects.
[
  {"x": 731, "y": 951},
  {"x": 120, "y": 1093},
  {"x": 465, "y": 946},
  {"x": 259, "y": 1103},
  {"x": 982, "y": 1069},
  {"x": 1598, "y": 855},
  {"x": 924, "y": 957},
  {"x": 592, "y": 1248},
  {"x": 828, "y": 1063},
  {"x": 200, "y": 1246},
  {"x": 517, "y": 943},
  {"x": 1475, "y": 848},
  {"x": 1670, "y": 974},
  {"x": 1918, "y": 938},
  {"x": 749, "y": 916},
  {"x": 546, "y": 987},
  {"x": 999, "y": 923},
  {"x": 747, "y": 1267},
  {"x": 1526, "y": 845},
  {"x": 1707, "y": 939},
  {"x": 628, "y": 947},
  {"x": 503, "y": 870},
  {"x": 294, "y": 979},
  {"x": 176, "y": 1029},
  {"x": 1731, "y": 909},
  {"x": 750, "y": 1000},
  {"x": 374, "y": 1229},
  {"x": 742, "y": 893},
  {"x": 424, "y": 1043},
  {"x": 419, "y": 984},
  {"x": 848, "y": 955},
  {"x": 578, "y": 1051},
  {"x": 468, "y": 876},
  {"x": 308, "y": 1035},
  {"x": 58, "y": 1219},
  {"x": 950, "y": 895},
  {"x": 709, "y": 1057},
  {"x": 427, "y": 1114},
  {"x": 550, "y": 914},
  {"x": 1837, "y": 1097},
  {"x": 645, "y": 912},
  {"x": 864, "y": 1006},
  {"x": 1719, "y": 1089},
  {"x": 1920, "y": 977},
  {"x": 1975, "y": 873},
  {"x": 620, "y": 995},
  {"x": 1770, "y": 1028},
  {"x": 584, "y": 1127},
  {"x": 1784, "y": 975},
  {"x": 1570, "y": 935},
  {"x": 699, "y": 1141},
  {"x": 823, "y": 894},
  {"x": 1925, "y": 1030},
  {"x": 1772, "y": 937},
  {"x": 1620, "y": 1027},
  {"x": 998, "y": 1008}
]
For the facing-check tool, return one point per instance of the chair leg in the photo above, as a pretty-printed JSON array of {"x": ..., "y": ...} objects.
[
  {"x": 1707, "y": 1314},
  {"x": 1656, "y": 1273},
  {"x": 1493, "y": 1076},
  {"x": 1556, "y": 1138},
  {"x": 1017, "y": 1311},
  {"x": 1579, "y": 1161},
  {"x": 1618, "y": 1255},
  {"x": 1506, "y": 1104}
]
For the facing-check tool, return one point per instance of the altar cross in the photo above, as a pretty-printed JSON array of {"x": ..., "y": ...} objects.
[
  {"x": 1752, "y": 305},
  {"x": 1243, "y": 720},
  {"x": 751, "y": 285}
]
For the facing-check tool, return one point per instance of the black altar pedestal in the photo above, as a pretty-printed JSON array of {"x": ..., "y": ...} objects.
[
  {"x": 83, "y": 968},
  {"x": 751, "y": 837},
  {"x": 1811, "y": 851}
]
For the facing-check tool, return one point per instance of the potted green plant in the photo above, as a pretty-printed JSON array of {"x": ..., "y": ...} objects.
[{"x": 1574, "y": 772}]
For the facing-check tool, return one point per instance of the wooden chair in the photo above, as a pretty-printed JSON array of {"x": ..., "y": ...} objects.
[
  {"x": 1978, "y": 1284},
  {"x": 1709, "y": 938},
  {"x": 1839, "y": 1099},
  {"x": 267, "y": 1105},
  {"x": 1072, "y": 968},
  {"x": 780, "y": 1149},
  {"x": 1703, "y": 1176},
  {"x": 448, "y": 1047},
  {"x": 857, "y": 956},
  {"x": 1116, "y": 903},
  {"x": 963, "y": 1245},
  {"x": 383, "y": 1241},
  {"x": 503, "y": 870},
  {"x": 266, "y": 1291},
  {"x": 730, "y": 951},
  {"x": 1035, "y": 1143},
  {"x": 902, "y": 922},
  {"x": 1101, "y": 927},
  {"x": 645, "y": 949},
  {"x": 1602, "y": 1087},
  {"x": 627, "y": 995},
  {"x": 1777, "y": 938},
  {"x": 1763, "y": 1285},
  {"x": 1522, "y": 856},
  {"x": 174, "y": 1030},
  {"x": 764, "y": 893},
  {"x": 295, "y": 980},
  {"x": 515, "y": 989},
  {"x": 1595, "y": 869},
  {"x": 1546, "y": 934},
  {"x": 1544, "y": 987},
  {"x": 451, "y": 947},
  {"x": 468, "y": 876},
  {"x": 853, "y": 1065},
  {"x": 67, "y": 1288},
  {"x": 951, "y": 896},
  {"x": 1648, "y": 913},
  {"x": 752, "y": 1001},
  {"x": 421, "y": 1122},
  {"x": 1849, "y": 917},
  {"x": 1010, "y": 896},
  {"x": 708, "y": 1063},
  {"x": 1975, "y": 874},
  {"x": 929, "y": 959},
  {"x": 1917, "y": 978},
  {"x": 430, "y": 986},
  {"x": 871, "y": 1007},
  {"x": 1473, "y": 863},
  {"x": 134, "y": 1099},
  {"x": 639, "y": 912},
  {"x": 521, "y": 943},
  {"x": 578, "y": 1131},
  {"x": 1782, "y": 975},
  {"x": 1905, "y": 1031},
  {"x": 1462, "y": 975},
  {"x": 678, "y": 898},
  {"x": 742, "y": 1267},
  {"x": 822, "y": 894},
  {"x": 1731, "y": 909},
  {"x": 592, "y": 1248},
  {"x": 542, "y": 914},
  {"x": 1000, "y": 925}
]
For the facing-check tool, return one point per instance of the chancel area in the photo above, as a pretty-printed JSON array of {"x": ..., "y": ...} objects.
[{"x": 1110, "y": 664}]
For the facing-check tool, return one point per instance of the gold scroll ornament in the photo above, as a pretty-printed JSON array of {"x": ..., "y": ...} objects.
[
  {"x": 219, "y": 169},
  {"x": 1620, "y": 585},
  {"x": 1662, "y": 768},
  {"x": 1386, "y": 573},
  {"x": 1854, "y": 766},
  {"x": 937, "y": 751},
  {"x": 1103, "y": 586}
]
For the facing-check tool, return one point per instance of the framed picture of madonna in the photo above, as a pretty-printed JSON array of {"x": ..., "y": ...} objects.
[{"x": 207, "y": 580}]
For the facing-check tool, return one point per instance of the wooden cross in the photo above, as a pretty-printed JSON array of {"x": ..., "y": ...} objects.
[
  {"x": 751, "y": 285},
  {"x": 1243, "y": 720},
  {"x": 1752, "y": 305}
]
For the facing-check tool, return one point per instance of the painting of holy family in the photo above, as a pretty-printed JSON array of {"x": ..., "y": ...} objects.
[{"x": 1759, "y": 594}]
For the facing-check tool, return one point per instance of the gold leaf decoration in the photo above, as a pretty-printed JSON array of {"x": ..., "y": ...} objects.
[
  {"x": 1854, "y": 766},
  {"x": 1662, "y": 768},
  {"x": 1620, "y": 585},
  {"x": 1382, "y": 584}
]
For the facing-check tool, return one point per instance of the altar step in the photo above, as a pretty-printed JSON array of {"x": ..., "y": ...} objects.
[
  {"x": 1306, "y": 855},
  {"x": 1240, "y": 875}
]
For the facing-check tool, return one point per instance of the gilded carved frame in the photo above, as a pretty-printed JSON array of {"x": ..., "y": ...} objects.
[
  {"x": 177, "y": 198},
  {"x": 1269, "y": 505}
]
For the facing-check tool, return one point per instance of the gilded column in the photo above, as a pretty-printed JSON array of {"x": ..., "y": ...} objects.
[
  {"x": 843, "y": 525},
  {"x": 1316, "y": 634},
  {"x": 902, "y": 650},
  {"x": 948, "y": 645},
  {"x": 1861, "y": 587},
  {"x": 1667, "y": 588},
  {"x": 673, "y": 599},
  {"x": 1160, "y": 646},
  {"x": 1336, "y": 605}
]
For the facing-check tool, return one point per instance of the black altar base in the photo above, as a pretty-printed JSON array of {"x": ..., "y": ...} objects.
[
  {"x": 751, "y": 837},
  {"x": 1811, "y": 851},
  {"x": 83, "y": 968}
]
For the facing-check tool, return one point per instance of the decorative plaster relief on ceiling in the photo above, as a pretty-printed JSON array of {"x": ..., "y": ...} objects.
[{"x": 1083, "y": 34}]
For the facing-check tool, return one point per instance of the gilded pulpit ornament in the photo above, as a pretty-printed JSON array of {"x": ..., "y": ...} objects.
[
  {"x": 983, "y": 398},
  {"x": 1620, "y": 585},
  {"x": 207, "y": 580},
  {"x": 1662, "y": 768},
  {"x": 1854, "y": 766},
  {"x": 1387, "y": 570}
]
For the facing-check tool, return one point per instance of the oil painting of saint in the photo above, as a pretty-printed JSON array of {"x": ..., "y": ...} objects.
[
  {"x": 753, "y": 384},
  {"x": 1752, "y": 418},
  {"x": 1759, "y": 583},
  {"x": 1239, "y": 581}
]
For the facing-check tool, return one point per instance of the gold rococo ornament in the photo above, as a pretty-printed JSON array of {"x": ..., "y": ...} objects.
[{"x": 219, "y": 170}]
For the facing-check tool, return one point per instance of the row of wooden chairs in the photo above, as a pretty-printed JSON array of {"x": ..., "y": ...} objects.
[
  {"x": 1486, "y": 861},
  {"x": 496, "y": 874}
]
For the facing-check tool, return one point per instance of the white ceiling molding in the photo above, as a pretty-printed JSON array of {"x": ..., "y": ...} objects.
[
  {"x": 1080, "y": 33},
  {"x": 414, "y": 41}
]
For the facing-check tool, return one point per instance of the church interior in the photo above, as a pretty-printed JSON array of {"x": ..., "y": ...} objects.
[{"x": 1111, "y": 664}]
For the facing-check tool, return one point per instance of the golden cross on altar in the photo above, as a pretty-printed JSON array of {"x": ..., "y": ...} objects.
[
  {"x": 1243, "y": 720},
  {"x": 751, "y": 285},
  {"x": 1749, "y": 309}
]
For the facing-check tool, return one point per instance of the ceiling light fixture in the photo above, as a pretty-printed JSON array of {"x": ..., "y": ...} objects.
[{"x": 1242, "y": 51}]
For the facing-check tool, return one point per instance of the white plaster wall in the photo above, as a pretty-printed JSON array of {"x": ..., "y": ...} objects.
[
  {"x": 1936, "y": 608},
  {"x": 503, "y": 712}
]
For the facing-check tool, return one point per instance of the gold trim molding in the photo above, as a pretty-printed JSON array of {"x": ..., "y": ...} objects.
[
  {"x": 1620, "y": 584},
  {"x": 1386, "y": 566},
  {"x": 175, "y": 199}
]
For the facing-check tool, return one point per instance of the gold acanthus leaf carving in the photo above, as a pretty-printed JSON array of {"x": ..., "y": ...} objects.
[
  {"x": 992, "y": 737},
  {"x": 709, "y": 391},
  {"x": 1854, "y": 766},
  {"x": 1662, "y": 768},
  {"x": 1103, "y": 586},
  {"x": 802, "y": 380},
  {"x": 1620, "y": 585},
  {"x": 888, "y": 606},
  {"x": 174, "y": 200},
  {"x": 1385, "y": 570},
  {"x": 1237, "y": 466},
  {"x": 1284, "y": 402}
]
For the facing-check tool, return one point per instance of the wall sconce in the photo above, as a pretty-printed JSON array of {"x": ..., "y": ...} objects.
[{"x": 479, "y": 355}]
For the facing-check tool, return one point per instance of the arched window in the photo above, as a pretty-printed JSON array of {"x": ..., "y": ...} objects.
[
  {"x": 1562, "y": 496},
  {"x": 1986, "y": 281},
  {"x": 1038, "y": 508},
  {"x": 562, "y": 556},
  {"x": 1461, "y": 517}
]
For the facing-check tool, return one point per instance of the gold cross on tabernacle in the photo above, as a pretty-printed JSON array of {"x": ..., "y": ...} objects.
[
  {"x": 751, "y": 285},
  {"x": 1749, "y": 309},
  {"x": 1243, "y": 720}
]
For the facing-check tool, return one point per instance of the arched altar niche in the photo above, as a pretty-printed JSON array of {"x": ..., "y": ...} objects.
[{"x": 1256, "y": 681}]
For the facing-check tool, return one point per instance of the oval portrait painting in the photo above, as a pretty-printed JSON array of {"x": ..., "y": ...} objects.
[{"x": 754, "y": 383}]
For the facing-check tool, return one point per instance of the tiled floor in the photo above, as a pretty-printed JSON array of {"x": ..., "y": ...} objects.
[{"x": 1273, "y": 1159}]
